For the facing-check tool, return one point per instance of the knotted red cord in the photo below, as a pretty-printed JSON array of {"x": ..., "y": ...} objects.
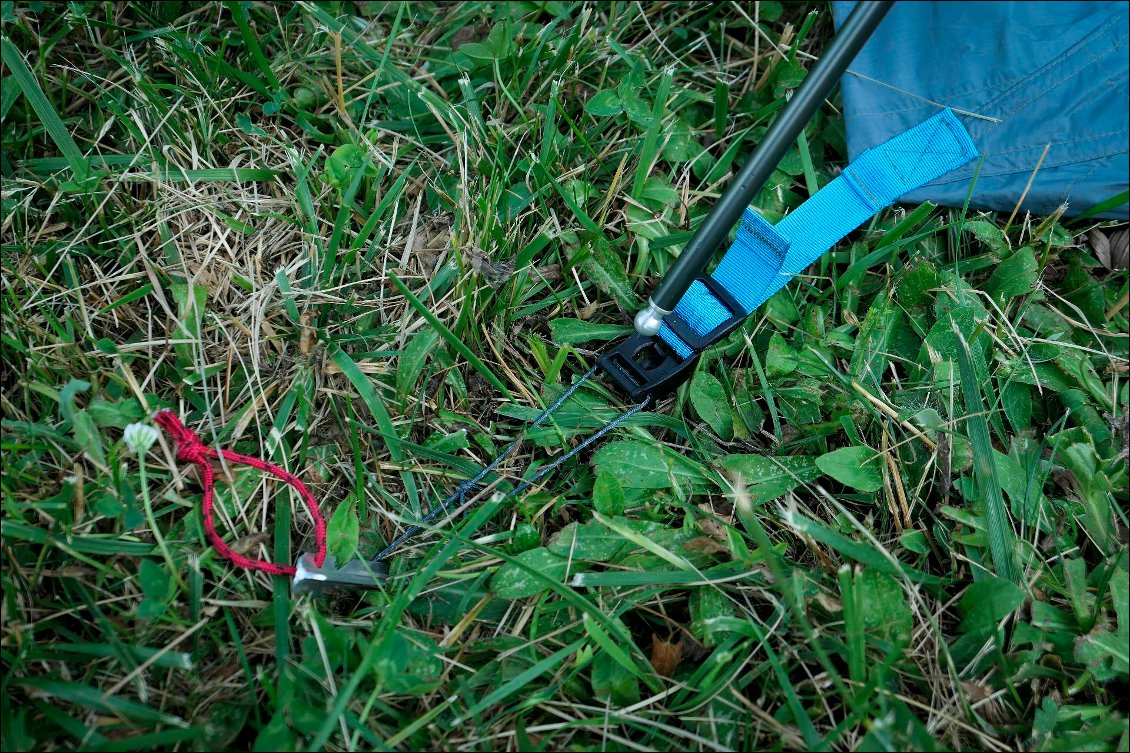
[{"x": 191, "y": 450}]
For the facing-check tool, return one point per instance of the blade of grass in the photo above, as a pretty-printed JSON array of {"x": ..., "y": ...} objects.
[
  {"x": 67, "y": 723},
  {"x": 239, "y": 14},
  {"x": 89, "y": 697},
  {"x": 1002, "y": 547},
  {"x": 721, "y": 107},
  {"x": 344, "y": 212},
  {"x": 163, "y": 172},
  {"x": 102, "y": 546},
  {"x": 281, "y": 602},
  {"x": 582, "y": 216},
  {"x": 9, "y": 93},
  {"x": 621, "y": 657},
  {"x": 806, "y": 164},
  {"x": 649, "y": 149},
  {"x": 1112, "y": 203},
  {"x": 857, "y": 551},
  {"x": 884, "y": 248},
  {"x": 380, "y": 414},
  {"x": 852, "y": 602},
  {"x": 161, "y": 740},
  {"x": 643, "y": 541},
  {"x": 167, "y": 659},
  {"x": 766, "y": 389},
  {"x": 660, "y": 577},
  {"x": 173, "y": 174},
  {"x": 455, "y": 342},
  {"x": 58, "y": 132},
  {"x": 511, "y": 687}
]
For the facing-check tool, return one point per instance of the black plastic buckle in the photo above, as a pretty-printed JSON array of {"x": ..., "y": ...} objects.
[
  {"x": 645, "y": 367},
  {"x": 648, "y": 367}
]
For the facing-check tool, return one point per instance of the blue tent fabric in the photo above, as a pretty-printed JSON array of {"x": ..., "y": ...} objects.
[{"x": 1026, "y": 75}]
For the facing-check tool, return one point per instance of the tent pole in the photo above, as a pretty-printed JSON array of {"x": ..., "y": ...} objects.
[{"x": 856, "y": 30}]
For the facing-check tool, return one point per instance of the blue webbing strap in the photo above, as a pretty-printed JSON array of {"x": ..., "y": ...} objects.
[{"x": 763, "y": 257}]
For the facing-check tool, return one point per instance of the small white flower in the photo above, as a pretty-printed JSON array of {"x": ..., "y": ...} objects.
[{"x": 140, "y": 437}]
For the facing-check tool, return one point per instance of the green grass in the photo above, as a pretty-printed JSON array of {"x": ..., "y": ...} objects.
[{"x": 370, "y": 241}]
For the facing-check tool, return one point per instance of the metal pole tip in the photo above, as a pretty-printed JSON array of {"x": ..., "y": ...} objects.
[{"x": 649, "y": 320}]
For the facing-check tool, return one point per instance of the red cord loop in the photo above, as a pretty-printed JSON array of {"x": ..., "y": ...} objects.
[{"x": 191, "y": 450}]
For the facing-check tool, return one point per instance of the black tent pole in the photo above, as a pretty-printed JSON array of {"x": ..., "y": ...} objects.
[{"x": 781, "y": 135}]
